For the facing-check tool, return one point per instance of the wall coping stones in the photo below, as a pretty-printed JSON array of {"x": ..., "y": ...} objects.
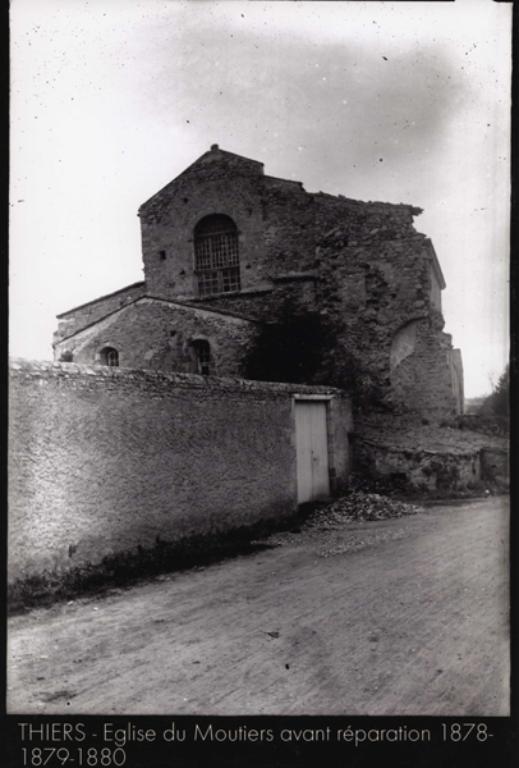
[
  {"x": 20, "y": 368},
  {"x": 291, "y": 182},
  {"x": 375, "y": 205}
]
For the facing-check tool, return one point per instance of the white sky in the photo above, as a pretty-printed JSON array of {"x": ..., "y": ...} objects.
[{"x": 403, "y": 102}]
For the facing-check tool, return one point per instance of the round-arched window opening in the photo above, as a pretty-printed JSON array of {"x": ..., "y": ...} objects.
[
  {"x": 217, "y": 261},
  {"x": 109, "y": 356},
  {"x": 202, "y": 350},
  {"x": 66, "y": 357}
]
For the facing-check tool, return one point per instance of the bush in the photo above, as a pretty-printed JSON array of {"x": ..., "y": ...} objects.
[
  {"x": 301, "y": 349},
  {"x": 289, "y": 350}
]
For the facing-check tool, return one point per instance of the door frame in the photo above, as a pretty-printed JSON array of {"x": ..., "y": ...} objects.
[{"x": 327, "y": 401}]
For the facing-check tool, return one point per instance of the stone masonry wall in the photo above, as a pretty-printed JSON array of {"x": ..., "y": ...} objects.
[
  {"x": 75, "y": 319},
  {"x": 423, "y": 382},
  {"x": 279, "y": 223},
  {"x": 495, "y": 465},
  {"x": 362, "y": 265},
  {"x": 168, "y": 221},
  {"x": 104, "y": 461},
  {"x": 158, "y": 334},
  {"x": 298, "y": 293},
  {"x": 457, "y": 379},
  {"x": 375, "y": 294},
  {"x": 429, "y": 456},
  {"x": 423, "y": 470}
]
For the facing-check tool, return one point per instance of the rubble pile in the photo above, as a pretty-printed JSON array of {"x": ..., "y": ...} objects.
[
  {"x": 327, "y": 527},
  {"x": 335, "y": 519},
  {"x": 359, "y": 506}
]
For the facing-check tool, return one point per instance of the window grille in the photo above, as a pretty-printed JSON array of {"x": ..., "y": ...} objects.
[
  {"x": 207, "y": 283},
  {"x": 217, "y": 261},
  {"x": 231, "y": 279}
]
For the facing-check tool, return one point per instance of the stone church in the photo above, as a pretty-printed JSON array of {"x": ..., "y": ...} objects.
[{"x": 229, "y": 251}]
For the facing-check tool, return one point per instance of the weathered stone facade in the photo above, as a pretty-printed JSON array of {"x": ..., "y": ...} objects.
[
  {"x": 373, "y": 279},
  {"x": 428, "y": 456},
  {"x": 423, "y": 470},
  {"x": 85, "y": 315},
  {"x": 160, "y": 334}
]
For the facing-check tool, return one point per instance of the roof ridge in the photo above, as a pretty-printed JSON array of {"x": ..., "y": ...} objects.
[
  {"x": 214, "y": 150},
  {"x": 189, "y": 305},
  {"x": 100, "y": 298}
]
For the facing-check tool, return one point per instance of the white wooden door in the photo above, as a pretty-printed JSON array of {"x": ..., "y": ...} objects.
[{"x": 313, "y": 480}]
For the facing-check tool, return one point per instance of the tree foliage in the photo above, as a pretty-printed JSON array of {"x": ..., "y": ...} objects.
[
  {"x": 497, "y": 404},
  {"x": 301, "y": 348},
  {"x": 289, "y": 350}
]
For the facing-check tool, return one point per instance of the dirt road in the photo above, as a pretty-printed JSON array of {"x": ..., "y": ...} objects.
[{"x": 405, "y": 616}]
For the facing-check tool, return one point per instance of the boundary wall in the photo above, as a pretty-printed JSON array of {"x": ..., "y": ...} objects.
[{"x": 105, "y": 461}]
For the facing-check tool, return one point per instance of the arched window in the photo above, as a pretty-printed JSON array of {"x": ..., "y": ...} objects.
[
  {"x": 109, "y": 356},
  {"x": 217, "y": 262},
  {"x": 202, "y": 352},
  {"x": 66, "y": 357}
]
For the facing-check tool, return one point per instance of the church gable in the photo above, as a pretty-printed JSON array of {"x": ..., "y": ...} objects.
[
  {"x": 211, "y": 165},
  {"x": 275, "y": 227},
  {"x": 159, "y": 334},
  {"x": 219, "y": 184},
  {"x": 82, "y": 316}
]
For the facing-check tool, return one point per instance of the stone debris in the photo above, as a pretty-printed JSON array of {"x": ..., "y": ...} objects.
[{"x": 358, "y": 505}]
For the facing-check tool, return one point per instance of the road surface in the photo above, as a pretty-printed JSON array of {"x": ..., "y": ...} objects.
[{"x": 406, "y": 616}]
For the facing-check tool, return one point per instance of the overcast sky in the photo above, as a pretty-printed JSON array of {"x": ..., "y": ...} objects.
[{"x": 402, "y": 102}]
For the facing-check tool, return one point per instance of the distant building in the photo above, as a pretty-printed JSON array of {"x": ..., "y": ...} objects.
[{"x": 228, "y": 249}]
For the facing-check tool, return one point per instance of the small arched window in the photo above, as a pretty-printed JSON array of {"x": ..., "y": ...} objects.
[
  {"x": 202, "y": 352},
  {"x": 109, "y": 356},
  {"x": 217, "y": 261}
]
